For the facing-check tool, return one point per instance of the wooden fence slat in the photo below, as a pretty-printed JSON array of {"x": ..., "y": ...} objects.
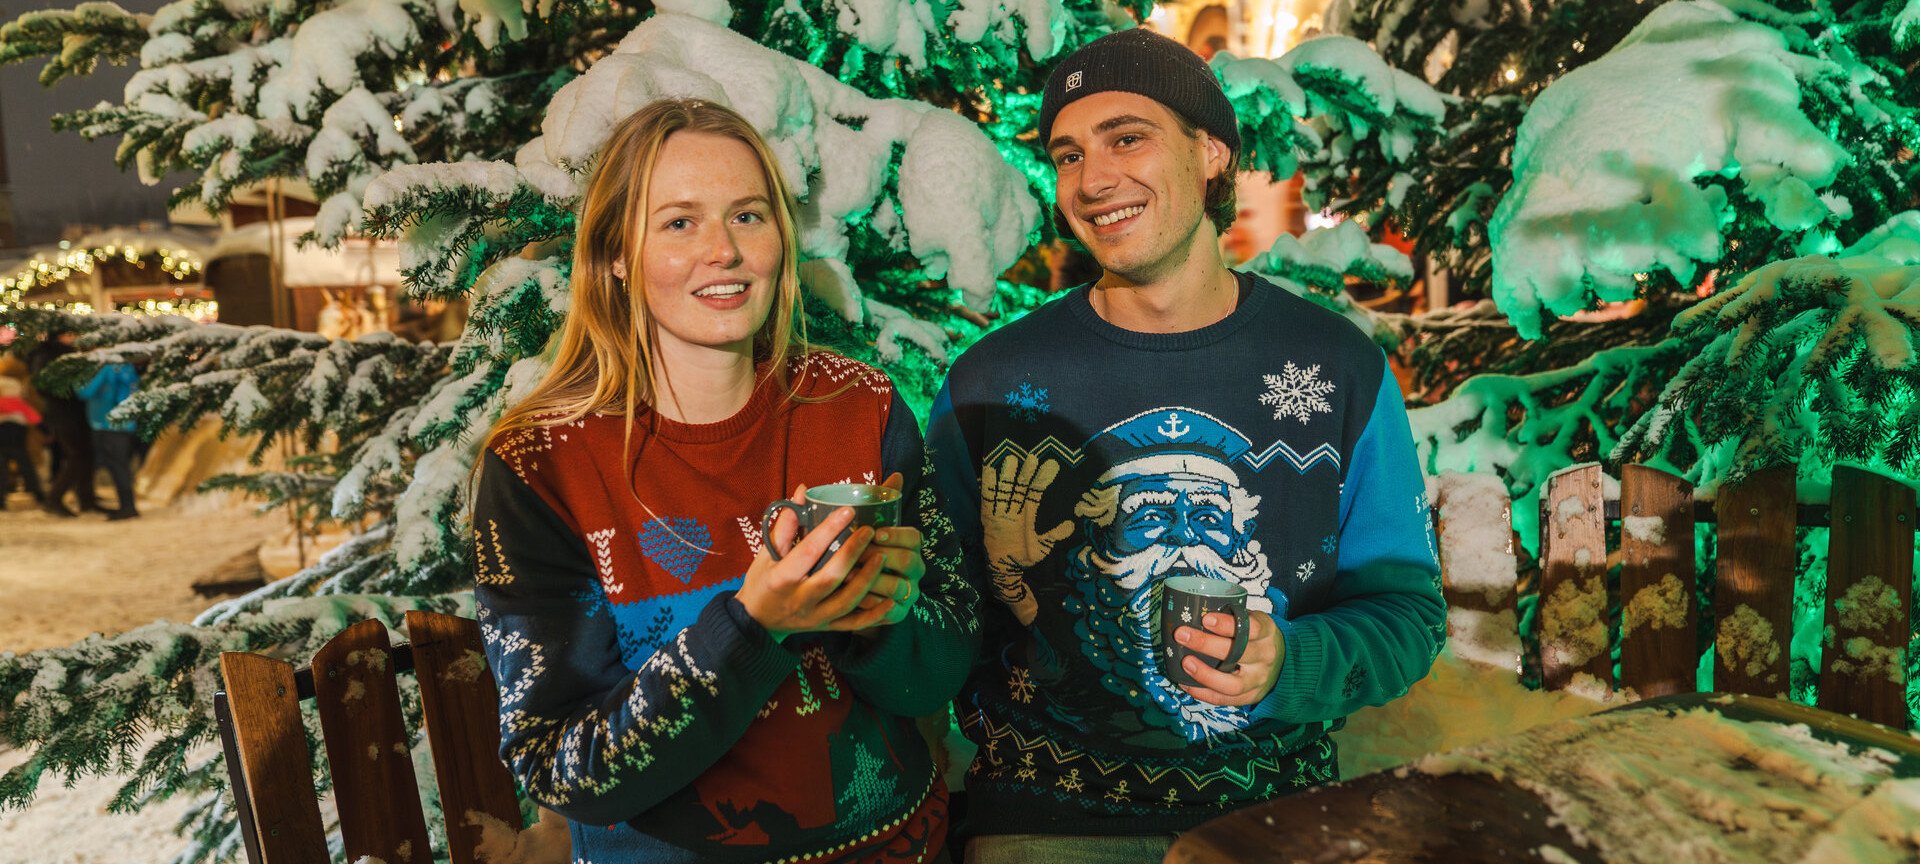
[
  {"x": 1753, "y": 589},
  {"x": 1869, "y": 591},
  {"x": 1477, "y": 574},
  {"x": 367, "y": 747},
  {"x": 461, "y": 708},
  {"x": 273, "y": 753},
  {"x": 1659, "y": 651},
  {"x": 1573, "y": 579}
]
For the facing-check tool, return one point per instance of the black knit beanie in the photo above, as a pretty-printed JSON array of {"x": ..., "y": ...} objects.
[{"x": 1146, "y": 63}]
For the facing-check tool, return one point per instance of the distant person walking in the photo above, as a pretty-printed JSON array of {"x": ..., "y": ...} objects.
[
  {"x": 66, "y": 423},
  {"x": 113, "y": 442},
  {"x": 16, "y": 417}
]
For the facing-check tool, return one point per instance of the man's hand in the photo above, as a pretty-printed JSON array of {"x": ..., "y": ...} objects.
[
  {"x": 1009, "y": 508},
  {"x": 1259, "y": 666}
]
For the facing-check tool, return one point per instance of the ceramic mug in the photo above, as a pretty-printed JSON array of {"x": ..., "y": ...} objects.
[
  {"x": 1184, "y": 602},
  {"x": 873, "y": 506}
]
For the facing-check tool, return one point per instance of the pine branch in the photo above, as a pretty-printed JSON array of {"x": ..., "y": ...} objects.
[{"x": 73, "y": 41}]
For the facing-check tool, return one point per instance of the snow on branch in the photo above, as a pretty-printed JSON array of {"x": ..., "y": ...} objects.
[
  {"x": 1526, "y": 427},
  {"x": 1358, "y": 112},
  {"x": 1637, "y": 161},
  {"x": 73, "y": 41},
  {"x": 1804, "y": 362},
  {"x": 833, "y": 144},
  {"x": 85, "y": 708}
]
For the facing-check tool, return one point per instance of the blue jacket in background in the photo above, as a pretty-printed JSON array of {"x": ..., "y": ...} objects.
[{"x": 109, "y": 387}]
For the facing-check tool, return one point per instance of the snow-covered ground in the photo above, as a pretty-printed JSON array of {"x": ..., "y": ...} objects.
[
  {"x": 71, "y": 825},
  {"x": 66, "y": 578}
]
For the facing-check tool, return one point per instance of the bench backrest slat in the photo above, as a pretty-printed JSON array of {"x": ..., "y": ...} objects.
[
  {"x": 1869, "y": 592},
  {"x": 276, "y": 768},
  {"x": 1573, "y": 579},
  {"x": 1658, "y": 620},
  {"x": 461, "y": 709},
  {"x": 368, "y": 748},
  {"x": 1753, "y": 587}
]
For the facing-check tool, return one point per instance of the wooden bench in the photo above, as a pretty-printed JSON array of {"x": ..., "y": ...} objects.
[
  {"x": 369, "y": 755},
  {"x": 1868, "y": 596}
]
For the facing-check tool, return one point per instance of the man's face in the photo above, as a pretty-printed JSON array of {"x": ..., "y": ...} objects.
[
  {"x": 1180, "y": 513},
  {"x": 1131, "y": 184}
]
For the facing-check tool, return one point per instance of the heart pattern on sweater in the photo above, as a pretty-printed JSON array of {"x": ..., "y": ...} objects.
[{"x": 676, "y": 545}]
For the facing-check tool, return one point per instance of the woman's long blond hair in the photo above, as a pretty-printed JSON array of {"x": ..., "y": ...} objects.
[{"x": 605, "y": 363}]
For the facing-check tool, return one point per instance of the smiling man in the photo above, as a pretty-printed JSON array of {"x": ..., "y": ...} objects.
[{"x": 1171, "y": 418}]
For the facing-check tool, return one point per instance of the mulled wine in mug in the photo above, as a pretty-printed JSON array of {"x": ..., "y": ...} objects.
[
  {"x": 1185, "y": 602},
  {"x": 873, "y": 506}
]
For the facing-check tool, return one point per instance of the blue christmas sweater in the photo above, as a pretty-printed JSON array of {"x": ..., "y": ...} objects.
[
  {"x": 638, "y": 697},
  {"x": 1087, "y": 463}
]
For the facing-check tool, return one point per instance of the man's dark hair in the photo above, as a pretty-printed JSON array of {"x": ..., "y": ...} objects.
[{"x": 1221, "y": 200}]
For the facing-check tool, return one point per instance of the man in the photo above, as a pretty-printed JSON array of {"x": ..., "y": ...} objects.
[
  {"x": 113, "y": 441},
  {"x": 1172, "y": 418}
]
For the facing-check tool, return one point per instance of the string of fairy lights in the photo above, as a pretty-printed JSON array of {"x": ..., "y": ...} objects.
[{"x": 41, "y": 271}]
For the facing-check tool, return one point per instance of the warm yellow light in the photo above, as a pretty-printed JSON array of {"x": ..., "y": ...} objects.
[{"x": 1512, "y": 75}]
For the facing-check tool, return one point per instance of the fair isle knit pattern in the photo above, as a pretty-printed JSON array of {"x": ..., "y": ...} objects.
[
  {"x": 640, "y": 700},
  {"x": 1089, "y": 464}
]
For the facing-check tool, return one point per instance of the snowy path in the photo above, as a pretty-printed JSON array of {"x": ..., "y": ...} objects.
[{"x": 66, "y": 578}]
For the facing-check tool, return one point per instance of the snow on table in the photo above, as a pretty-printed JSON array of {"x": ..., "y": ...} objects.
[{"x": 1696, "y": 786}]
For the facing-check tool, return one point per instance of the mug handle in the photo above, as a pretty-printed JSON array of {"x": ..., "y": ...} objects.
[
  {"x": 773, "y": 513},
  {"x": 1231, "y": 662}
]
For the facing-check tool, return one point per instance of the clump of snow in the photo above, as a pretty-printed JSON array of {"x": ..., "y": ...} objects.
[
  {"x": 547, "y": 841},
  {"x": 326, "y": 49},
  {"x": 1897, "y": 240},
  {"x": 1869, "y": 606},
  {"x": 1573, "y": 622},
  {"x": 1649, "y": 787},
  {"x": 1476, "y": 533},
  {"x": 467, "y": 669},
  {"x": 1354, "y": 60},
  {"x": 1662, "y": 605},
  {"x": 1492, "y": 638},
  {"x": 1607, "y": 157},
  {"x": 1746, "y": 643},
  {"x": 1646, "y": 529}
]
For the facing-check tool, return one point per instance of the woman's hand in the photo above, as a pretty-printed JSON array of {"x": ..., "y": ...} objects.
[{"x": 786, "y": 599}]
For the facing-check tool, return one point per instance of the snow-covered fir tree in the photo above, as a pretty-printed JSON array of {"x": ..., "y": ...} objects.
[
  {"x": 466, "y": 131},
  {"x": 1553, "y": 155}
]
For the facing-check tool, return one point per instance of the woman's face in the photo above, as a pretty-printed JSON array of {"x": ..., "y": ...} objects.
[{"x": 711, "y": 252}]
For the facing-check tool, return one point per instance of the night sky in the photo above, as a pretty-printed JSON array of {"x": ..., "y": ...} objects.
[{"x": 61, "y": 178}]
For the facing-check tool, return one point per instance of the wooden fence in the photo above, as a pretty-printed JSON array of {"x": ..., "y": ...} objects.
[{"x": 1868, "y": 596}]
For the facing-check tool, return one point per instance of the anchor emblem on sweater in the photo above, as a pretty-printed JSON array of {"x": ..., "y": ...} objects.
[{"x": 1173, "y": 428}]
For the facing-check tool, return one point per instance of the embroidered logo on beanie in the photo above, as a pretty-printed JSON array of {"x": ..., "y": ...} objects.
[{"x": 1148, "y": 64}]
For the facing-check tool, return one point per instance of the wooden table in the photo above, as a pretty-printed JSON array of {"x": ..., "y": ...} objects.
[{"x": 1464, "y": 818}]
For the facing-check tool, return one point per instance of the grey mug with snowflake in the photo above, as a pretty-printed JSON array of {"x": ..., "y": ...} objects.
[
  {"x": 1184, "y": 602},
  {"x": 872, "y": 506}
]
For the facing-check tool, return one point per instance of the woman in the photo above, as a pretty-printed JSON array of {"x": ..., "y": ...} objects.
[{"x": 665, "y": 684}]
